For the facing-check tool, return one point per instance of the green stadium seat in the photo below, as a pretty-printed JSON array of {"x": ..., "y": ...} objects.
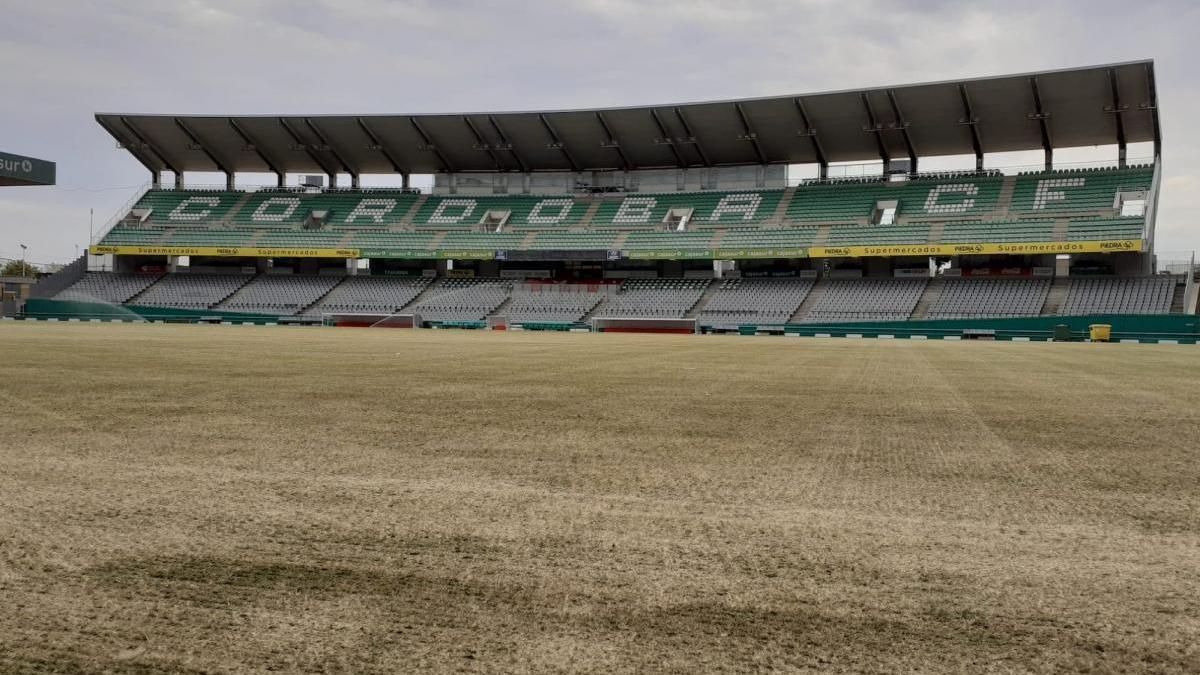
[
  {"x": 998, "y": 232},
  {"x": 1075, "y": 191},
  {"x": 709, "y": 209},
  {"x": 917, "y": 199},
  {"x": 1105, "y": 229}
]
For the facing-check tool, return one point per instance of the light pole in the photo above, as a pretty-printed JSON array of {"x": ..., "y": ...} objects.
[{"x": 23, "y": 249}]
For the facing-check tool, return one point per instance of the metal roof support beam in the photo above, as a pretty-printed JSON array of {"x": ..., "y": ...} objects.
[
  {"x": 1039, "y": 113},
  {"x": 251, "y": 145},
  {"x": 301, "y": 145},
  {"x": 613, "y": 142},
  {"x": 430, "y": 145},
  {"x": 902, "y": 125},
  {"x": 337, "y": 154},
  {"x": 195, "y": 140},
  {"x": 875, "y": 128},
  {"x": 972, "y": 122},
  {"x": 376, "y": 144},
  {"x": 137, "y": 153},
  {"x": 691, "y": 137},
  {"x": 1118, "y": 112},
  {"x": 145, "y": 143},
  {"x": 506, "y": 144},
  {"x": 482, "y": 144},
  {"x": 748, "y": 134},
  {"x": 141, "y": 138},
  {"x": 809, "y": 132},
  {"x": 556, "y": 142},
  {"x": 1151, "y": 105},
  {"x": 665, "y": 139}
]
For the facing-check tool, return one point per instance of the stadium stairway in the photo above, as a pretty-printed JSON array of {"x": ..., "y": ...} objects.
[
  {"x": 590, "y": 213},
  {"x": 437, "y": 239},
  {"x": 587, "y": 318},
  {"x": 785, "y": 202},
  {"x": 429, "y": 291},
  {"x": 936, "y": 230},
  {"x": 929, "y": 297},
  {"x": 234, "y": 294},
  {"x": 1056, "y": 296},
  {"x": 813, "y": 298},
  {"x": 237, "y": 208},
  {"x": 502, "y": 308},
  {"x": 316, "y": 302},
  {"x": 53, "y": 284},
  {"x": 708, "y": 294},
  {"x": 406, "y": 221},
  {"x": 1180, "y": 290},
  {"x": 822, "y": 236},
  {"x": 133, "y": 298},
  {"x": 1004, "y": 202}
]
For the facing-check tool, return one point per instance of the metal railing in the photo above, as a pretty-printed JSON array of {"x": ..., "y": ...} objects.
[
  {"x": 120, "y": 214},
  {"x": 873, "y": 171}
]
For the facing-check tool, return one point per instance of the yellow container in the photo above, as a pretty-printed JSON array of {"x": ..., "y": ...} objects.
[{"x": 1101, "y": 332}]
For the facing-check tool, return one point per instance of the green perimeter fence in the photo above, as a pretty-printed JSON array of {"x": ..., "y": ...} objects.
[{"x": 1181, "y": 328}]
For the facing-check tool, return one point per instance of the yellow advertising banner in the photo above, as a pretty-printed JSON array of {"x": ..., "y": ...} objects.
[
  {"x": 228, "y": 252},
  {"x": 1012, "y": 248}
]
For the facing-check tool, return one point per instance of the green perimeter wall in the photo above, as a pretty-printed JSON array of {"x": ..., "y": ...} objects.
[
  {"x": 40, "y": 308},
  {"x": 1181, "y": 327}
]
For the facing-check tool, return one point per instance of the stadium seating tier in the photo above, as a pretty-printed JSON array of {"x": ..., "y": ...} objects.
[{"x": 968, "y": 206}]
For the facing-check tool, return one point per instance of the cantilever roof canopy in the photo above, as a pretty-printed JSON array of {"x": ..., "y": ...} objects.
[{"x": 1095, "y": 105}]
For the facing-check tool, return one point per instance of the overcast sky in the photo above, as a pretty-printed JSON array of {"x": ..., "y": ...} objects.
[{"x": 65, "y": 60}]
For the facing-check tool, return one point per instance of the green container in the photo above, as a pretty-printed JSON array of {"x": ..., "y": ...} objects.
[{"x": 1062, "y": 333}]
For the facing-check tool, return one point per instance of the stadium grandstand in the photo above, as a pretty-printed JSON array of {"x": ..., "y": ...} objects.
[{"x": 661, "y": 217}]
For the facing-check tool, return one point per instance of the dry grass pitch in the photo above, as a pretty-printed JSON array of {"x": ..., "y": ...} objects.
[{"x": 229, "y": 499}]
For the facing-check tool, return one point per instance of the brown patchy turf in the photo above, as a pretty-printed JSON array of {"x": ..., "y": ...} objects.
[{"x": 244, "y": 499}]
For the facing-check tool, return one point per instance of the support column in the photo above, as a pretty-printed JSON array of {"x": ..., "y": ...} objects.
[
  {"x": 404, "y": 180},
  {"x": 155, "y": 179},
  {"x": 354, "y": 183},
  {"x": 179, "y": 180},
  {"x": 229, "y": 181}
]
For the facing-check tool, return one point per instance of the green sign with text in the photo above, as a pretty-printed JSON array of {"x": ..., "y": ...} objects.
[{"x": 18, "y": 170}]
